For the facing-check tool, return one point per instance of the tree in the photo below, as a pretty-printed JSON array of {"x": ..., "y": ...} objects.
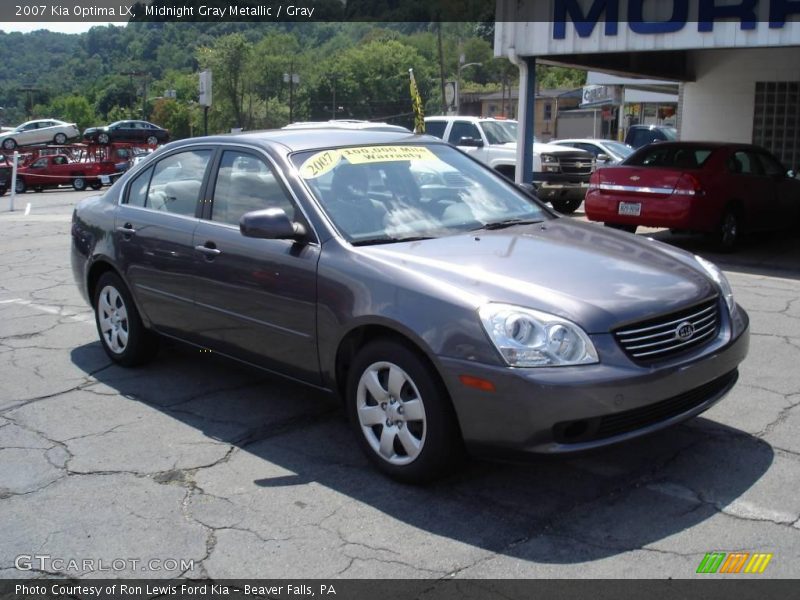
[
  {"x": 73, "y": 109},
  {"x": 228, "y": 60}
]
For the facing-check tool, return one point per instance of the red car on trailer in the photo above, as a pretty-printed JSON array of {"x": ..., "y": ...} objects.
[
  {"x": 723, "y": 189},
  {"x": 58, "y": 169}
]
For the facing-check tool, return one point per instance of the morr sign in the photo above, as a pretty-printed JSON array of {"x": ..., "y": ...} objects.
[{"x": 708, "y": 11}]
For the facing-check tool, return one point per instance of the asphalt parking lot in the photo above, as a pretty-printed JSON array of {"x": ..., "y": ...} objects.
[{"x": 197, "y": 466}]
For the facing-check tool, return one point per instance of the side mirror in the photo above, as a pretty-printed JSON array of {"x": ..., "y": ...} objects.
[
  {"x": 270, "y": 224},
  {"x": 603, "y": 158},
  {"x": 468, "y": 141}
]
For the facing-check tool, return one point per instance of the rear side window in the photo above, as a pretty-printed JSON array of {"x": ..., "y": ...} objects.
[
  {"x": 744, "y": 163},
  {"x": 137, "y": 192},
  {"x": 173, "y": 184},
  {"x": 677, "y": 157},
  {"x": 436, "y": 128}
]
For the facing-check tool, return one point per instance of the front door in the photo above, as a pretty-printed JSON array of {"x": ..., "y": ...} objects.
[{"x": 256, "y": 298}]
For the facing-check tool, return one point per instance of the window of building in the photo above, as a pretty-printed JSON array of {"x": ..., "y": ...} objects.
[
  {"x": 548, "y": 112},
  {"x": 776, "y": 120}
]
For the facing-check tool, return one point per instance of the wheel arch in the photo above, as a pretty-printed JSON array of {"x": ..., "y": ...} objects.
[
  {"x": 362, "y": 334},
  {"x": 97, "y": 269}
]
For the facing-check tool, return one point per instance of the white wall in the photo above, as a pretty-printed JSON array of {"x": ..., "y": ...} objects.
[{"x": 719, "y": 104}]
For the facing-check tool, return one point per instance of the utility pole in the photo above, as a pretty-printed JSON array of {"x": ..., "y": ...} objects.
[
  {"x": 292, "y": 79},
  {"x": 333, "y": 106},
  {"x": 441, "y": 66}
]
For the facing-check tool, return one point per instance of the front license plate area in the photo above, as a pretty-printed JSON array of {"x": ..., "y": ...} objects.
[{"x": 633, "y": 209}]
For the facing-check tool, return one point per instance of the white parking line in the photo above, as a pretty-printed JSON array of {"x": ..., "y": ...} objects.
[
  {"x": 52, "y": 310},
  {"x": 27, "y": 209}
]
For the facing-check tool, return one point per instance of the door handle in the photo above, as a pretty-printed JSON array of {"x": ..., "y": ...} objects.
[
  {"x": 209, "y": 249},
  {"x": 126, "y": 230}
]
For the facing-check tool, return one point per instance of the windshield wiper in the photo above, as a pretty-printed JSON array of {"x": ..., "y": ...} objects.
[
  {"x": 390, "y": 240},
  {"x": 507, "y": 223}
]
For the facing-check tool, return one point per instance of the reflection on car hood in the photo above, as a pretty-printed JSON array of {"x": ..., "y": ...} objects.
[{"x": 597, "y": 277}]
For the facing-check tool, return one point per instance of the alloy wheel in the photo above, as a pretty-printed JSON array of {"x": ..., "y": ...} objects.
[{"x": 113, "y": 319}]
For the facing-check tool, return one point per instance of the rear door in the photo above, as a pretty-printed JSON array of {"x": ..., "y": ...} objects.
[
  {"x": 787, "y": 190},
  {"x": 153, "y": 236},
  {"x": 256, "y": 298},
  {"x": 753, "y": 189}
]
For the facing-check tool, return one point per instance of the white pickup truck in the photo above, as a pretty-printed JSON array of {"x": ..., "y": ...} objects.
[{"x": 560, "y": 174}]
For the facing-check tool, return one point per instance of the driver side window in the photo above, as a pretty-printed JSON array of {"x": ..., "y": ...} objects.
[{"x": 463, "y": 129}]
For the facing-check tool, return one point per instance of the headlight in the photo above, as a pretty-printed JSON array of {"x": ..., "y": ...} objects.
[
  {"x": 719, "y": 278},
  {"x": 549, "y": 159},
  {"x": 531, "y": 338}
]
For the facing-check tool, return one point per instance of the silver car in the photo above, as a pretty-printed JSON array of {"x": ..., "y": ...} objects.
[
  {"x": 444, "y": 306},
  {"x": 40, "y": 131}
]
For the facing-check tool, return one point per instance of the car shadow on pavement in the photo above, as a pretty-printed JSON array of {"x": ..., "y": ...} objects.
[
  {"x": 775, "y": 253},
  {"x": 548, "y": 510}
]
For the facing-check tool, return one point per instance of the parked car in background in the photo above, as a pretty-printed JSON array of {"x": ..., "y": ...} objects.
[
  {"x": 141, "y": 132},
  {"x": 58, "y": 169},
  {"x": 5, "y": 174},
  {"x": 560, "y": 174},
  {"x": 474, "y": 318},
  {"x": 606, "y": 152},
  {"x": 717, "y": 188},
  {"x": 40, "y": 131},
  {"x": 641, "y": 135},
  {"x": 347, "y": 124}
]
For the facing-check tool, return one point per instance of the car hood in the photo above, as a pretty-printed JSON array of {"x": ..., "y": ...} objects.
[{"x": 599, "y": 278}]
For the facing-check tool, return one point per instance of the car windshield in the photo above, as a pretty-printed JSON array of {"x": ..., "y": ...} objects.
[
  {"x": 620, "y": 149},
  {"x": 670, "y": 133},
  {"x": 499, "y": 133},
  {"x": 385, "y": 194}
]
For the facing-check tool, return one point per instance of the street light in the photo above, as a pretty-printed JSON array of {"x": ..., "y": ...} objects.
[{"x": 461, "y": 66}]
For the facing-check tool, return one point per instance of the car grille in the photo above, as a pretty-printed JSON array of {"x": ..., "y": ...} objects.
[
  {"x": 598, "y": 428},
  {"x": 576, "y": 164},
  {"x": 671, "y": 334}
]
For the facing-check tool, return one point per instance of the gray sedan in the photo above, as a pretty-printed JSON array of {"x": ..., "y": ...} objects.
[{"x": 447, "y": 308}]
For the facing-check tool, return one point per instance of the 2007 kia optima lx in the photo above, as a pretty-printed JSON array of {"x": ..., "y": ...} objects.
[{"x": 446, "y": 306}]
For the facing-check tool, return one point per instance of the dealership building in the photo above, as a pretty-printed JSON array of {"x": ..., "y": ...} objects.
[{"x": 737, "y": 63}]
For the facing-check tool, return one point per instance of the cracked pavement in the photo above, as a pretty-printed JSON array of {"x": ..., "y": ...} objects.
[{"x": 240, "y": 474}]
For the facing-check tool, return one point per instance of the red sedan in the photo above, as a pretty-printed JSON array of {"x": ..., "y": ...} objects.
[{"x": 718, "y": 188}]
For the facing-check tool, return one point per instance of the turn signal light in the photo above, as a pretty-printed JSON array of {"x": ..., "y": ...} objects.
[{"x": 476, "y": 382}]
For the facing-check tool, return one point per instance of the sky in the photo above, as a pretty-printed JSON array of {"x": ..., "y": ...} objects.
[{"x": 73, "y": 27}]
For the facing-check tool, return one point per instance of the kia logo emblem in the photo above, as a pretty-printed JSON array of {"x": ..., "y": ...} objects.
[{"x": 684, "y": 331}]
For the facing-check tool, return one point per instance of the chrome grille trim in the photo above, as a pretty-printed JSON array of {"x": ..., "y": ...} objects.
[{"x": 655, "y": 339}]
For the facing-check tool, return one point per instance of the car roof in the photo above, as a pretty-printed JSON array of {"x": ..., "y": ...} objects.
[
  {"x": 471, "y": 118},
  {"x": 346, "y": 124},
  {"x": 700, "y": 144},
  {"x": 295, "y": 140}
]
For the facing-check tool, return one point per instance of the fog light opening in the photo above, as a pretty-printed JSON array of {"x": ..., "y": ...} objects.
[{"x": 575, "y": 429}]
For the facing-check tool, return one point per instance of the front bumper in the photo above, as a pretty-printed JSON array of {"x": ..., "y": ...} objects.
[
  {"x": 550, "y": 186},
  {"x": 571, "y": 409}
]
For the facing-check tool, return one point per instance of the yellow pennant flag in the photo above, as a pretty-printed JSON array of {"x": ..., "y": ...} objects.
[{"x": 416, "y": 103}]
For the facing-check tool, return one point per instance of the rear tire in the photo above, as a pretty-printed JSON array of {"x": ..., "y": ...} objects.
[
  {"x": 102, "y": 138},
  {"x": 152, "y": 140},
  {"x": 122, "y": 334},
  {"x": 9, "y": 144},
  {"x": 566, "y": 207},
  {"x": 20, "y": 186},
  {"x": 96, "y": 185},
  {"x": 401, "y": 413},
  {"x": 729, "y": 234},
  {"x": 622, "y": 227},
  {"x": 79, "y": 183},
  {"x": 60, "y": 139}
]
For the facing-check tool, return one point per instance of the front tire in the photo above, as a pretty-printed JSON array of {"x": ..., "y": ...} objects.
[
  {"x": 60, "y": 139},
  {"x": 79, "y": 183},
  {"x": 402, "y": 413},
  {"x": 103, "y": 138},
  {"x": 566, "y": 207},
  {"x": 96, "y": 185},
  {"x": 9, "y": 144},
  {"x": 122, "y": 334},
  {"x": 152, "y": 140},
  {"x": 20, "y": 186}
]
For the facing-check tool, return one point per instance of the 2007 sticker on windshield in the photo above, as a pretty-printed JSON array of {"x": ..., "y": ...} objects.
[{"x": 320, "y": 163}]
